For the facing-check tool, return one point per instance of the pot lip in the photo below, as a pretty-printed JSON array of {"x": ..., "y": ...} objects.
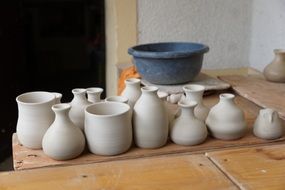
[
  {"x": 201, "y": 49},
  {"x": 122, "y": 99},
  {"x": 50, "y": 97},
  {"x": 61, "y": 106},
  {"x": 132, "y": 80},
  {"x": 126, "y": 109},
  {"x": 279, "y": 50},
  {"x": 187, "y": 103},
  {"x": 94, "y": 90},
  {"x": 227, "y": 96},
  {"x": 78, "y": 91},
  {"x": 193, "y": 88}
]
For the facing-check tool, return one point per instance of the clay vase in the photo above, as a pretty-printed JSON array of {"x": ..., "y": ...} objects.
[
  {"x": 132, "y": 90},
  {"x": 225, "y": 120},
  {"x": 150, "y": 120},
  {"x": 108, "y": 128},
  {"x": 78, "y": 105},
  {"x": 195, "y": 93},
  {"x": 268, "y": 125},
  {"x": 63, "y": 140},
  {"x": 275, "y": 71},
  {"x": 94, "y": 94},
  {"x": 34, "y": 117},
  {"x": 187, "y": 129}
]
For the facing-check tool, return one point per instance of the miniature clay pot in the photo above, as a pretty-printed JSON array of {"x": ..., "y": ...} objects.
[
  {"x": 268, "y": 125},
  {"x": 225, "y": 120},
  {"x": 132, "y": 90},
  {"x": 275, "y": 71}
]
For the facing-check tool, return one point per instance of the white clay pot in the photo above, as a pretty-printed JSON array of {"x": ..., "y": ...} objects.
[
  {"x": 94, "y": 94},
  {"x": 34, "y": 117},
  {"x": 186, "y": 129},
  {"x": 195, "y": 93},
  {"x": 268, "y": 125},
  {"x": 78, "y": 105},
  {"x": 108, "y": 128},
  {"x": 63, "y": 140},
  {"x": 132, "y": 90},
  {"x": 225, "y": 120},
  {"x": 150, "y": 119}
]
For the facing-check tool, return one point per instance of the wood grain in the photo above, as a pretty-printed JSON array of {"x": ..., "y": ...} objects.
[
  {"x": 166, "y": 172},
  {"x": 25, "y": 158},
  {"x": 260, "y": 91},
  {"x": 253, "y": 168}
]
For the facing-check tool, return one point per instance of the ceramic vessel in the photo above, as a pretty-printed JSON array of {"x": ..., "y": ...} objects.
[
  {"x": 225, "y": 120},
  {"x": 78, "y": 105},
  {"x": 58, "y": 97},
  {"x": 132, "y": 90},
  {"x": 187, "y": 129},
  {"x": 195, "y": 93},
  {"x": 94, "y": 94},
  {"x": 150, "y": 120},
  {"x": 268, "y": 125},
  {"x": 108, "y": 128},
  {"x": 275, "y": 71},
  {"x": 63, "y": 140},
  {"x": 34, "y": 117}
]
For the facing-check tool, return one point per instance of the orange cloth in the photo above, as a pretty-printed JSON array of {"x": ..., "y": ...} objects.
[{"x": 129, "y": 72}]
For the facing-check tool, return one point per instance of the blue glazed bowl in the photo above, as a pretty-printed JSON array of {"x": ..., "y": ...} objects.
[{"x": 168, "y": 62}]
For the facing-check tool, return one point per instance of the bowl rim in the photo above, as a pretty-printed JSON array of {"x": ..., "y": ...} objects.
[{"x": 167, "y": 54}]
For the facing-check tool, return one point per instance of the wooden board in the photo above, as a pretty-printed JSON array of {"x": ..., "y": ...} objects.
[
  {"x": 209, "y": 82},
  {"x": 166, "y": 172},
  {"x": 253, "y": 168},
  {"x": 260, "y": 91},
  {"x": 25, "y": 158}
]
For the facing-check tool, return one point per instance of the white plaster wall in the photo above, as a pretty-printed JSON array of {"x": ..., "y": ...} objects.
[
  {"x": 268, "y": 31},
  {"x": 224, "y": 25}
]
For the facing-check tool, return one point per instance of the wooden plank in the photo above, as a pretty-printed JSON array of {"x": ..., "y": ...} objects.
[
  {"x": 260, "y": 91},
  {"x": 166, "y": 172},
  {"x": 24, "y": 158},
  {"x": 253, "y": 168}
]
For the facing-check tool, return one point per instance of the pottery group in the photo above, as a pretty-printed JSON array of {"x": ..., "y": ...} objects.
[{"x": 140, "y": 115}]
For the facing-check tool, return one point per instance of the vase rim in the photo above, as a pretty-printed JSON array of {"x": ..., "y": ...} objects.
[
  {"x": 94, "y": 90},
  {"x": 193, "y": 88},
  {"x": 35, "y": 98},
  {"x": 187, "y": 103},
  {"x": 279, "y": 50},
  {"x": 78, "y": 90},
  {"x": 227, "y": 96},
  {"x": 61, "y": 106},
  {"x": 132, "y": 80},
  {"x": 107, "y": 109},
  {"x": 149, "y": 89},
  {"x": 122, "y": 99}
]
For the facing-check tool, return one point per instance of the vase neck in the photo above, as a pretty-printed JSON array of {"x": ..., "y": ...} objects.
[
  {"x": 279, "y": 55},
  {"x": 133, "y": 83},
  {"x": 227, "y": 99},
  {"x": 61, "y": 112},
  {"x": 79, "y": 95},
  {"x": 194, "y": 92},
  {"x": 187, "y": 108},
  {"x": 149, "y": 91}
]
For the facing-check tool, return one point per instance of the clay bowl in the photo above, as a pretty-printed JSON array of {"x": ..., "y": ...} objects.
[{"x": 168, "y": 62}]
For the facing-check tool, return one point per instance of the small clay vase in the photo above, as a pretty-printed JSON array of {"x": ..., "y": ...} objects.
[
  {"x": 268, "y": 125},
  {"x": 150, "y": 120},
  {"x": 195, "y": 93},
  {"x": 275, "y": 71},
  {"x": 78, "y": 105},
  {"x": 63, "y": 140},
  {"x": 132, "y": 90},
  {"x": 34, "y": 117},
  {"x": 187, "y": 129},
  {"x": 225, "y": 120},
  {"x": 94, "y": 94}
]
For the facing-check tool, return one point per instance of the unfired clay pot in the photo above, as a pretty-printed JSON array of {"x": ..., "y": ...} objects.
[
  {"x": 132, "y": 90},
  {"x": 268, "y": 125},
  {"x": 225, "y": 120},
  {"x": 63, "y": 140},
  {"x": 108, "y": 128},
  {"x": 186, "y": 129},
  {"x": 275, "y": 71},
  {"x": 78, "y": 105},
  {"x": 94, "y": 94},
  {"x": 34, "y": 117},
  {"x": 150, "y": 119},
  {"x": 195, "y": 93}
]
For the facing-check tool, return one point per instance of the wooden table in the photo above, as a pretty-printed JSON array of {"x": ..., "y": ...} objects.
[{"x": 247, "y": 163}]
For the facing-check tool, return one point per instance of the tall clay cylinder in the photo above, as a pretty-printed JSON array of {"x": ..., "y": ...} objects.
[
  {"x": 34, "y": 117},
  {"x": 150, "y": 119}
]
